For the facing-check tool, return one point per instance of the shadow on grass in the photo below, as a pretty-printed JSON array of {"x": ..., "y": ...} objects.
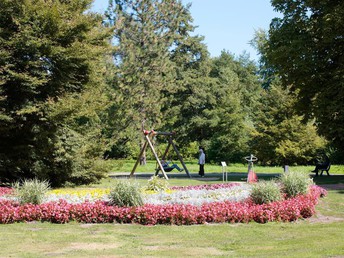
[{"x": 333, "y": 179}]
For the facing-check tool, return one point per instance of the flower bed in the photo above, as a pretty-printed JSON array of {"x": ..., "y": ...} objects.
[
  {"x": 199, "y": 195},
  {"x": 5, "y": 191},
  {"x": 205, "y": 187},
  {"x": 302, "y": 206},
  {"x": 77, "y": 195}
]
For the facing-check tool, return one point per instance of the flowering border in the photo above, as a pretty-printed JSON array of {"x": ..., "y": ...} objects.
[{"x": 302, "y": 206}]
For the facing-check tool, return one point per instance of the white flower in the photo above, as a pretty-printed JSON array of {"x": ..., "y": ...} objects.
[{"x": 199, "y": 197}]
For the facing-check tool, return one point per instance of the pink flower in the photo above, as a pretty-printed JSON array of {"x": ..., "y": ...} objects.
[{"x": 302, "y": 206}]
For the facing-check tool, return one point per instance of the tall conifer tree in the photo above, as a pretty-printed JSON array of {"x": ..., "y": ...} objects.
[
  {"x": 153, "y": 47},
  {"x": 51, "y": 92}
]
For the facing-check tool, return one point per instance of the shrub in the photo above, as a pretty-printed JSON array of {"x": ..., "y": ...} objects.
[
  {"x": 31, "y": 190},
  {"x": 265, "y": 192},
  {"x": 295, "y": 183},
  {"x": 125, "y": 193},
  {"x": 156, "y": 184}
]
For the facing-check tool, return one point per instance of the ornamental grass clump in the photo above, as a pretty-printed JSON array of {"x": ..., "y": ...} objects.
[
  {"x": 156, "y": 184},
  {"x": 31, "y": 190},
  {"x": 295, "y": 183},
  {"x": 125, "y": 193},
  {"x": 265, "y": 192}
]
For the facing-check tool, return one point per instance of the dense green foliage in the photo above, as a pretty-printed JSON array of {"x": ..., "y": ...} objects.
[
  {"x": 68, "y": 98},
  {"x": 224, "y": 120},
  {"x": 51, "y": 91},
  {"x": 280, "y": 136},
  {"x": 306, "y": 48},
  {"x": 152, "y": 50}
]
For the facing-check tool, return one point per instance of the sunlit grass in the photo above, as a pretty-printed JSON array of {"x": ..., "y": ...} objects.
[
  {"x": 305, "y": 238},
  {"x": 320, "y": 236},
  {"x": 126, "y": 166}
]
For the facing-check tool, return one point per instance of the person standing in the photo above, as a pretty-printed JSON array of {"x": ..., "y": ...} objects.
[{"x": 201, "y": 162}]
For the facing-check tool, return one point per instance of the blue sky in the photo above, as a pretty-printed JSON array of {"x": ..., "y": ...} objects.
[{"x": 225, "y": 24}]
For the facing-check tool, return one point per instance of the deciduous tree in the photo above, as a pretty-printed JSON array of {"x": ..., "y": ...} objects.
[
  {"x": 280, "y": 137},
  {"x": 306, "y": 48}
]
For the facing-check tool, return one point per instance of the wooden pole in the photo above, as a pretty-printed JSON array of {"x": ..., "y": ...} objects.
[
  {"x": 170, "y": 142},
  {"x": 164, "y": 133},
  {"x": 139, "y": 158},
  {"x": 179, "y": 156},
  {"x": 156, "y": 157}
]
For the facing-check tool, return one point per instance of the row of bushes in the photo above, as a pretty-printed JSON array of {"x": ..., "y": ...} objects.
[{"x": 302, "y": 206}]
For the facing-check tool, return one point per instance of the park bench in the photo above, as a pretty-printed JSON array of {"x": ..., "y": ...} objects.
[{"x": 326, "y": 167}]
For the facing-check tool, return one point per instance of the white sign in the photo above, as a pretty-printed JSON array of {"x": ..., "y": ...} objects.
[{"x": 223, "y": 164}]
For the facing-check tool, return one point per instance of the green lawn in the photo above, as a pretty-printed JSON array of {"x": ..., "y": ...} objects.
[
  {"x": 213, "y": 172},
  {"x": 320, "y": 236},
  {"x": 127, "y": 166}
]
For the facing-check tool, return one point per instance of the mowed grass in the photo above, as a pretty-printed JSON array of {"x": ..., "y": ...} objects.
[
  {"x": 213, "y": 172},
  {"x": 320, "y": 236},
  {"x": 127, "y": 166}
]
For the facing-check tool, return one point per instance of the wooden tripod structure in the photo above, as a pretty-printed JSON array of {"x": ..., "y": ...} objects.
[{"x": 148, "y": 141}]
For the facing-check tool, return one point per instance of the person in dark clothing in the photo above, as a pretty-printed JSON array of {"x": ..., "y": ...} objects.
[
  {"x": 166, "y": 165},
  {"x": 201, "y": 161}
]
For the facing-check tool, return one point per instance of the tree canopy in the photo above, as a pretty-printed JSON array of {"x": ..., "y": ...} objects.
[
  {"x": 76, "y": 86},
  {"x": 155, "y": 58},
  {"x": 305, "y": 48},
  {"x": 51, "y": 90},
  {"x": 280, "y": 137}
]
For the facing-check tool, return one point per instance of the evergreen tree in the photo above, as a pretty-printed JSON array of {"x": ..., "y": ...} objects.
[
  {"x": 52, "y": 95},
  {"x": 153, "y": 49},
  {"x": 267, "y": 72},
  {"x": 184, "y": 111},
  {"x": 238, "y": 89},
  {"x": 214, "y": 104}
]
